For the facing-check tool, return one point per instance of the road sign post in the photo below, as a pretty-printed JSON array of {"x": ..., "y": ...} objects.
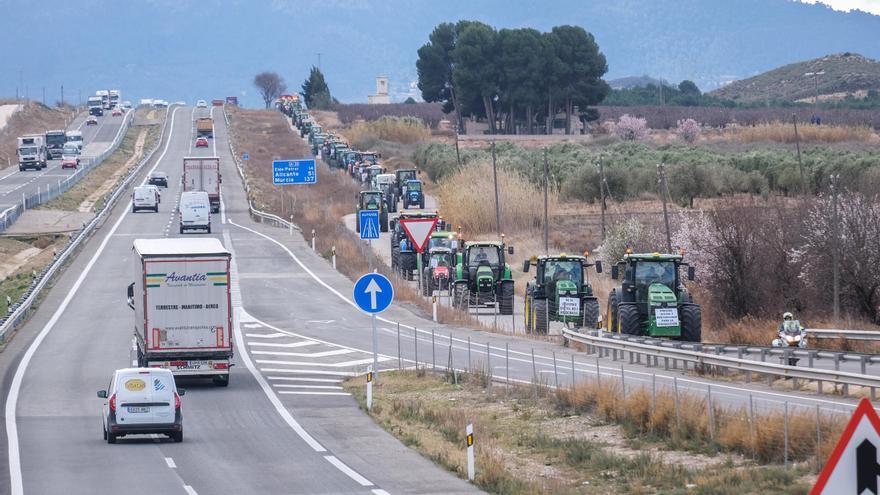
[
  {"x": 286, "y": 172},
  {"x": 853, "y": 467},
  {"x": 373, "y": 293}
]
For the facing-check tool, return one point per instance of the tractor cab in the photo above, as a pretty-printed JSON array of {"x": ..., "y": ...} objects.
[
  {"x": 483, "y": 263},
  {"x": 652, "y": 299},
  {"x": 560, "y": 292},
  {"x": 483, "y": 277},
  {"x": 372, "y": 201},
  {"x": 413, "y": 194},
  {"x": 374, "y": 171},
  {"x": 403, "y": 175}
]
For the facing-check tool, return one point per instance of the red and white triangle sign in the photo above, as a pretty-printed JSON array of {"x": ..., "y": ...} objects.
[
  {"x": 418, "y": 230},
  {"x": 853, "y": 467}
]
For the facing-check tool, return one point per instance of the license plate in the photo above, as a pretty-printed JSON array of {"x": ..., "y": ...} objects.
[
  {"x": 666, "y": 317},
  {"x": 191, "y": 365},
  {"x": 137, "y": 410}
]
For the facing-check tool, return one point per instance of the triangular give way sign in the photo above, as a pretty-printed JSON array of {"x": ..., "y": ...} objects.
[
  {"x": 852, "y": 468},
  {"x": 418, "y": 230}
]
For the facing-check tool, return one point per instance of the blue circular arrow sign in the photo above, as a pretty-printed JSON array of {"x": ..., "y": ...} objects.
[{"x": 373, "y": 293}]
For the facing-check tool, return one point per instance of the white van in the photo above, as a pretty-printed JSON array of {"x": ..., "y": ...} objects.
[
  {"x": 75, "y": 137},
  {"x": 142, "y": 401},
  {"x": 145, "y": 198},
  {"x": 195, "y": 211}
]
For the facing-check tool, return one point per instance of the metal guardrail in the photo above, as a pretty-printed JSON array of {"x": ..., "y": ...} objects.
[
  {"x": 832, "y": 333},
  {"x": 18, "y": 312},
  {"x": 8, "y": 217},
  {"x": 259, "y": 215},
  {"x": 600, "y": 340}
]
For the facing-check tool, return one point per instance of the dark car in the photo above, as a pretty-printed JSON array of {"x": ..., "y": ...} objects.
[{"x": 159, "y": 179}]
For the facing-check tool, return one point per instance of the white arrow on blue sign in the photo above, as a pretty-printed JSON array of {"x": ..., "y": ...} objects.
[
  {"x": 373, "y": 293},
  {"x": 369, "y": 224}
]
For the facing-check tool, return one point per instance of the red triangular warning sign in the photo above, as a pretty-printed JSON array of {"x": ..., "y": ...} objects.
[
  {"x": 418, "y": 230},
  {"x": 853, "y": 467}
]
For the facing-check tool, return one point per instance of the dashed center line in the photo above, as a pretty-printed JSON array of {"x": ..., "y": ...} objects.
[{"x": 170, "y": 463}]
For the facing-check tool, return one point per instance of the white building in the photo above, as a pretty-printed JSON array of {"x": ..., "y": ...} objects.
[{"x": 381, "y": 97}]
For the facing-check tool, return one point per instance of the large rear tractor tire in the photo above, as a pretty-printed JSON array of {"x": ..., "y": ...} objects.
[
  {"x": 539, "y": 316},
  {"x": 505, "y": 303},
  {"x": 629, "y": 319},
  {"x": 691, "y": 323},
  {"x": 591, "y": 313},
  {"x": 611, "y": 313}
]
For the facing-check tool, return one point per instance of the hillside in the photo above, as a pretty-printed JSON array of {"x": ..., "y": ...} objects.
[
  {"x": 634, "y": 82},
  {"x": 844, "y": 73},
  {"x": 34, "y": 118}
]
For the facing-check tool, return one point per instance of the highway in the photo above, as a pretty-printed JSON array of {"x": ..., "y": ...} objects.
[
  {"x": 14, "y": 184},
  {"x": 283, "y": 425}
]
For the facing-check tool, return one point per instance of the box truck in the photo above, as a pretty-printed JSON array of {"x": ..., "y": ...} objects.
[
  {"x": 203, "y": 174},
  {"x": 31, "y": 151},
  {"x": 183, "y": 306},
  {"x": 96, "y": 106},
  {"x": 205, "y": 127}
]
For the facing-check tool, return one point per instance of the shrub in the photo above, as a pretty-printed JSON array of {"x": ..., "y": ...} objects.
[
  {"x": 688, "y": 130},
  {"x": 430, "y": 113},
  {"x": 631, "y": 128},
  {"x": 404, "y": 130}
]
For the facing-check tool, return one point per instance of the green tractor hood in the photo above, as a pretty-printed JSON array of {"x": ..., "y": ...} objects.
[
  {"x": 485, "y": 279},
  {"x": 663, "y": 316}
]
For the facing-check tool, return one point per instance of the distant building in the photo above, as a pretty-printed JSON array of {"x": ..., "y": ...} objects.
[{"x": 381, "y": 97}]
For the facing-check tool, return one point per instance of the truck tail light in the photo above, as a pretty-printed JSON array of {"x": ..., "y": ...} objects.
[
  {"x": 176, "y": 401},
  {"x": 221, "y": 366},
  {"x": 112, "y": 403}
]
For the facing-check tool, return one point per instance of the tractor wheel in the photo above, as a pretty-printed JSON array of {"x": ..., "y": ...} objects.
[
  {"x": 691, "y": 322},
  {"x": 505, "y": 305},
  {"x": 357, "y": 224},
  {"x": 539, "y": 316},
  {"x": 629, "y": 319},
  {"x": 383, "y": 224},
  {"x": 526, "y": 315},
  {"x": 611, "y": 314},
  {"x": 460, "y": 295},
  {"x": 591, "y": 313}
]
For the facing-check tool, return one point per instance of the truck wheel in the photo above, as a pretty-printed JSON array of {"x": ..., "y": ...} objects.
[
  {"x": 181, "y": 229},
  {"x": 691, "y": 322},
  {"x": 221, "y": 380},
  {"x": 133, "y": 209},
  {"x": 505, "y": 305},
  {"x": 156, "y": 209},
  {"x": 611, "y": 313},
  {"x": 591, "y": 313},
  {"x": 629, "y": 319},
  {"x": 540, "y": 324},
  {"x": 111, "y": 438},
  {"x": 526, "y": 315},
  {"x": 177, "y": 436},
  {"x": 209, "y": 228}
]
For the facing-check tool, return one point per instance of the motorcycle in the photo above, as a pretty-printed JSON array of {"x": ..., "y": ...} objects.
[{"x": 792, "y": 334}]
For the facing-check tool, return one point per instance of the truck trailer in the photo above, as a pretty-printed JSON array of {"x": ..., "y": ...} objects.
[
  {"x": 183, "y": 306},
  {"x": 203, "y": 174},
  {"x": 205, "y": 127},
  {"x": 31, "y": 151}
]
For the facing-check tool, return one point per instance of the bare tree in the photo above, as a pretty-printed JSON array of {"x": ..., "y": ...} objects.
[{"x": 270, "y": 85}]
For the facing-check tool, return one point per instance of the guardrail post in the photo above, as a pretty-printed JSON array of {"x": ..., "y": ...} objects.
[
  {"x": 785, "y": 433},
  {"x": 313, "y": 239},
  {"x": 573, "y": 379},
  {"x": 399, "y": 360},
  {"x": 433, "y": 352},
  {"x": 711, "y": 411},
  {"x": 863, "y": 361},
  {"x": 555, "y": 372},
  {"x": 290, "y": 226},
  {"x": 665, "y": 363},
  {"x": 677, "y": 409},
  {"x": 598, "y": 373},
  {"x": 416, "y": 341},
  {"x": 333, "y": 255}
]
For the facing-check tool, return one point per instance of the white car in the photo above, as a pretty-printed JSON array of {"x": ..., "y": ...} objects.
[
  {"x": 141, "y": 401},
  {"x": 195, "y": 211},
  {"x": 202, "y": 104}
]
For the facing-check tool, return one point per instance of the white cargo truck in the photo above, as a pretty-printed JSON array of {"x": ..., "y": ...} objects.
[
  {"x": 203, "y": 174},
  {"x": 96, "y": 106},
  {"x": 31, "y": 153},
  {"x": 183, "y": 307},
  {"x": 105, "y": 98},
  {"x": 115, "y": 98}
]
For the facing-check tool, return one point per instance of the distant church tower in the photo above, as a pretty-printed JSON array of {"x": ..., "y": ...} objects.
[{"x": 381, "y": 97}]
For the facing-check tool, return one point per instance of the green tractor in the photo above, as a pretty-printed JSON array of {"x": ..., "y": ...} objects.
[
  {"x": 371, "y": 200},
  {"x": 560, "y": 292},
  {"x": 652, "y": 299},
  {"x": 482, "y": 277}
]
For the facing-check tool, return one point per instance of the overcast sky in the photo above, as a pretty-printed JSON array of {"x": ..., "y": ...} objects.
[{"x": 872, "y": 6}]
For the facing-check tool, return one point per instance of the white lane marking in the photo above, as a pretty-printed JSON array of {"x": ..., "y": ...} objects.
[
  {"x": 298, "y": 379},
  {"x": 170, "y": 463},
  {"x": 344, "y": 364},
  {"x": 267, "y": 389},
  {"x": 190, "y": 490},
  {"x": 335, "y": 352},
  {"x": 290, "y": 392},
  {"x": 379, "y": 491},
  {"x": 348, "y": 471},
  {"x": 317, "y": 387},
  {"x": 252, "y": 325},
  {"x": 15, "y": 479},
  {"x": 286, "y": 346},
  {"x": 265, "y": 335},
  {"x": 309, "y": 372}
]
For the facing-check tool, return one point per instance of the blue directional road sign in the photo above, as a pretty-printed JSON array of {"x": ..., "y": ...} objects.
[
  {"x": 369, "y": 223},
  {"x": 294, "y": 172},
  {"x": 245, "y": 156},
  {"x": 373, "y": 293}
]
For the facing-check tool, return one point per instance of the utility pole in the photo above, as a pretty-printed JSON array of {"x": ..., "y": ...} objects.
[
  {"x": 602, "y": 205},
  {"x": 62, "y": 95},
  {"x": 21, "y": 82},
  {"x": 497, "y": 203},
  {"x": 546, "y": 219},
  {"x": 815, "y": 76},
  {"x": 797, "y": 141},
  {"x": 835, "y": 252},
  {"x": 44, "y": 95},
  {"x": 664, "y": 191}
]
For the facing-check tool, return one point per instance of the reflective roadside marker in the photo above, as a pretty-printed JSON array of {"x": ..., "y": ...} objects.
[
  {"x": 470, "y": 451},
  {"x": 370, "y": 388}
]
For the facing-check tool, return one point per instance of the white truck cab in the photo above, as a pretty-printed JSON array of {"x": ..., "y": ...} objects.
[{"x": 75, "y": 137}]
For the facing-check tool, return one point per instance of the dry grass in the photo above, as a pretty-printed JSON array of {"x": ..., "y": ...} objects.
[
  {"x": 34, "y": 118},
  {"x": 783, "y": 132},
  {"x": 528, "y": 445},
  {"x": 468, "y": 200},
  {"x": 17, "y": 282},
  {"x": 404, "y": 130}
]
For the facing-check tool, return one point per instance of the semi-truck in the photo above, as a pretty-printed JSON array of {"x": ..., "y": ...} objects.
[
  {"x": 55, "y": 143},
  {"x": 203, "y": 174},
  {"x": 205, "y": 127},
  {"x": 31, "y": 153},
  {"x": 96, "y": 106},
  {"x": 183, "y": 306},
  {"x": 114, "y": 98},
  {"x": 105, "y": 98}
]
